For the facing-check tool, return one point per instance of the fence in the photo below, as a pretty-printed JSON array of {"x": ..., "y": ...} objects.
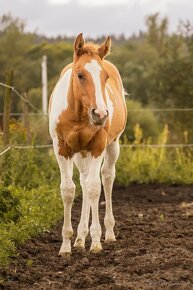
[
  {"x": 45, "y": 146},
  {"x": 37, "y": 112}
]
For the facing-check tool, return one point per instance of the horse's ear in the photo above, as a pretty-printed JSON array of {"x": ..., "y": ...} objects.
[
  {"x": 78, "y": 44},
  {"x": 105, "y": 47}
]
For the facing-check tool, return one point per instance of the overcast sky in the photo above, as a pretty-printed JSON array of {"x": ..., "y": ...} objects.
[{"x": 94, "y": 17}]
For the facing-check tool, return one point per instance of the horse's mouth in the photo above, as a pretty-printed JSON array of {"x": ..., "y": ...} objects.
[{"x": 100, "y": 122}]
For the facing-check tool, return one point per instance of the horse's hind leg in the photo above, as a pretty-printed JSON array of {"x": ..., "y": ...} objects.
[{"x": 108, "y": 176}]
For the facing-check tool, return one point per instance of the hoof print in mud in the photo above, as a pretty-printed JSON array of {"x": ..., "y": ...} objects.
[{"x": 79, "y": 250}]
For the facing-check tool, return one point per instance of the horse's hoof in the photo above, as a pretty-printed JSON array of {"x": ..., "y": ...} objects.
[
  {"x": 110, "y": 237},
  {"x": 65, "y": 255},
  {"x": 79, "y": 245},
  {"x": 110, "y": 240},
  {"x": 96, "y": 249}
]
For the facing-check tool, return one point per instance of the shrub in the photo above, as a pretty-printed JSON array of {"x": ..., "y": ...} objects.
[
  {"x": 39, "y": 210},
  {"x": 141, "y": 163},
  {"x": 10, "y": 208},
  {"x": 145, "y": 119}
]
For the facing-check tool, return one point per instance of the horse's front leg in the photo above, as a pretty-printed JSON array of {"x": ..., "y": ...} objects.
[
  {"x": 93, "y": 185},
  {"x": 67, "y": 188},
  {"x": 82, "y": 165}
]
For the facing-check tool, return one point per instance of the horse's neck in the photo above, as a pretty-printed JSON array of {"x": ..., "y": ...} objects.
[{"x": 74, "y": 105}]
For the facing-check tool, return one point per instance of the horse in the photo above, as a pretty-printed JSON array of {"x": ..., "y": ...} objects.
[{"x": 87, "y": 115}]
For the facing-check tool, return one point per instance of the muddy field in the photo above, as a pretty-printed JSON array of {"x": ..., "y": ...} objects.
[{"x": 154, "y": 248}]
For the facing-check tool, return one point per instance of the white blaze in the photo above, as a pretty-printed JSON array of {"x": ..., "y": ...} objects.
[{"x": 94, "y": 69}]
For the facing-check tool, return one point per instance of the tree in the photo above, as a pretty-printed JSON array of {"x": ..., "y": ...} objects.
[{"x": 157, "y": 31}]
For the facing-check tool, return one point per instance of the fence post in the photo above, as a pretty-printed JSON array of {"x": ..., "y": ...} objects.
[
  {"x": 44, "y": 85},
  {"x": 7, "y": 104},
  {"x": 26, "y": 118}
]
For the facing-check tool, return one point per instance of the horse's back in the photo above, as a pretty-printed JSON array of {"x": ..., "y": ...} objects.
[{"x": 114, "y": 75}]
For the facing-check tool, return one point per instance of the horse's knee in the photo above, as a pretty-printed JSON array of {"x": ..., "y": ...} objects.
[
  {"x": 67, "y": 191},
  {"x": 83, "y": 177},
  {"x": 108, "y": 174},
  {"x": 93, "y": 187}
]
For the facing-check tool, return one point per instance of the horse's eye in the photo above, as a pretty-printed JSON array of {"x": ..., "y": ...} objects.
[{"x": 80, "y": 76}]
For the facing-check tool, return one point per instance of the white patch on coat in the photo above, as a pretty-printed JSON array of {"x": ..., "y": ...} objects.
[
  {"x": 59, "y": 100},
  {"x": 94, "y": 69},
  {"x": 110, "y": 106}
]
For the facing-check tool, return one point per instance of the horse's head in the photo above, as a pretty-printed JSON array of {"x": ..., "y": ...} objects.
[{"x": 90, "y": 77}]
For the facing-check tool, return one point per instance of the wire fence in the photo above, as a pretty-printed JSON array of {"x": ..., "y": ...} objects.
[
  {"x": 44, "y": 146},
  {"x": 21, "y": 114},
  {"x": 128, "y": 110},
  {"x": 38, "y": 112},
  {"x": 9, "y": 147},
  {"x": 20, "y": 96}
]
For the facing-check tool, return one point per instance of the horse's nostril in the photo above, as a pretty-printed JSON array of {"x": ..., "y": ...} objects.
[
  {"x": 99, "y": 114},
  {"x": 95, "y": 114}
]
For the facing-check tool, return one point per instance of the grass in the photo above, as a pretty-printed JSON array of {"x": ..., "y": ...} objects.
[{"x": 39, "y": 209}]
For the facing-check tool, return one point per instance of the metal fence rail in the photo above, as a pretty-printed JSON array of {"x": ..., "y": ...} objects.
[
  {"x": 128, "y": 110},
  {"x": 9, "y": 147},
  {"x": 157, "y": 145},
  {"x": 38, "y": 112},
  {"x": 20, "y": 96},
  {"x": 46, "y": 146}
]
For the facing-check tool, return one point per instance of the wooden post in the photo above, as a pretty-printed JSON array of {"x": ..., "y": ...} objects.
[
  {"x": 7, "y": 104},
  {"x": 26, "y": 118},
  {"x": 44, "y": 85}
]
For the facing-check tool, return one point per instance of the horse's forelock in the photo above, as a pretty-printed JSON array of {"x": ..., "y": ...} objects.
[{"x": 90, "y": 49}]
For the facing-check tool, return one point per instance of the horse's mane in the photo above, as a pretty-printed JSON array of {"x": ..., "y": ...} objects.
[{"x": 90, "y": 48}]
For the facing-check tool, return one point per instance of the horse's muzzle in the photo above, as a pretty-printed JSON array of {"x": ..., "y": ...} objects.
[{"x": 98, "y": 117}]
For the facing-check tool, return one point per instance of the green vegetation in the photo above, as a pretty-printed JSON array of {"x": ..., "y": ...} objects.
[
  {"x": 38, "y": 210},
  {"x": 146, "y": 119},
  {"x": 139, "y": 164},
  {"x": 29, "y": 193}
]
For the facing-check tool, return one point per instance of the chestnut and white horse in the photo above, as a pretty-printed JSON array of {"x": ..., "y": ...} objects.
[{"x": 87, "y": 116}]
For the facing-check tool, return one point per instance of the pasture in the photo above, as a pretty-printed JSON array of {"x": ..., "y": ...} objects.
[
  {"x": 154, "y": 229},
  {"x": 153, "y": 191}
]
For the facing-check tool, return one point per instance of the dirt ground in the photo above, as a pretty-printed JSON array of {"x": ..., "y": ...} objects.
[{"x": 154, "y": 248}]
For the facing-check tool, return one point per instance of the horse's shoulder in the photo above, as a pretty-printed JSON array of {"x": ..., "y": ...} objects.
[
  {"x": 110, "y": 67},
  {"x": 67, "y": 67}
]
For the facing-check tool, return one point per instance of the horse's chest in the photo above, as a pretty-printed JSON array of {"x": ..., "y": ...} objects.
[
  {"x": 79, "y": 140},
  {"x": 73, "y": 139}
]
